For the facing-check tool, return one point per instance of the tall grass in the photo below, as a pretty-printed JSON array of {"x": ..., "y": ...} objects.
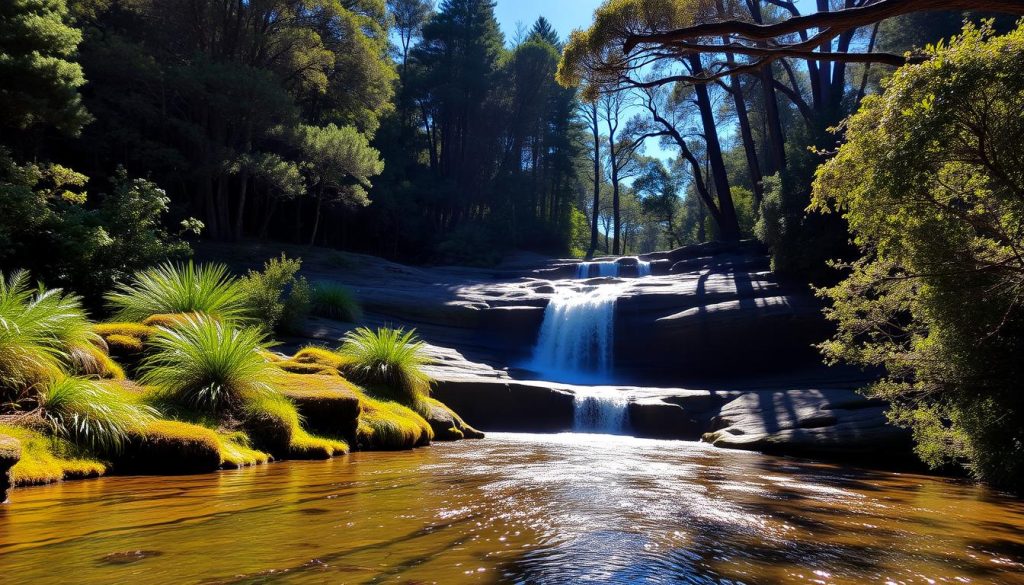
[
  {"x": 38, "y": 328},
  {"x": 389, "y": 362},
  {"x": 179, "y": 288},
  {"x": 88, "y": 413},
  {"x": 208, "y": 365},
  {"x": 334, "y": 301}
]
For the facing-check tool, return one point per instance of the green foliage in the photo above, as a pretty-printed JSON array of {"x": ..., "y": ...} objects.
[
  {"x": 179, "y": 288},
  {"x": 91, "y": 413},
  {"x": 388, "y": 362},
  {"x": 335, "y": 301},
  {"x": 930, "y": 181},
  {"x": 46, "y": 226},
  {"x": 208, "y": 365},
  {"x": 37, "y": 329},
  {"x": 38, "y": 72},
  {"x": 388, "y": 425},
  {"x": 473, "y": 244},
  {"x": 276, "y": 297}
]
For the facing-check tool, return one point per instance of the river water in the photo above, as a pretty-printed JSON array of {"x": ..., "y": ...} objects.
[{"x": 518, "y": 509}]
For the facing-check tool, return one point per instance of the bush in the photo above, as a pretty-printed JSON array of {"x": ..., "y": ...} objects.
[
  {"x": 388, "y": 362},
  {"x": 89, "y": 413},
  {"x": 179, "y": 288},
  {"x": 37, "y": 329},
  {"x": 276, "y": 297},
  {"x": 207, "y": 365},
  {"x": 930, "y": 181},
  {"x": 334, "y": 301}
]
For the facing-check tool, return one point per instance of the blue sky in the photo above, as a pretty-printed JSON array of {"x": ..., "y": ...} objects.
[{"x": 564, "y": 15}]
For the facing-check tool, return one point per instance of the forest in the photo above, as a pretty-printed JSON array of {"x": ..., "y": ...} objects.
[{"x": 882, "y": 169}]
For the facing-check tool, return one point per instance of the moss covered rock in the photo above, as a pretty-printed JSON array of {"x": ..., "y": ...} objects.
[
  {"x": 48, "y": 459},
  {"x": 171, "y": 447},
  {"x": 10, "y": 453},
  {"x": 329, "y": 404},
  {"x": 390, "y": 426},
  {"x": 447, "y": 424}
]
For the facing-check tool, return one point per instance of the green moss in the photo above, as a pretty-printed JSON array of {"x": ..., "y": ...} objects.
[
  {"x": 295, "y": 367},
  {"x": 172, "y": 320},
  {"x": 126, "y": 329},
  {"x": 47, "y": 459},
  {"x": 390, "y": 426},
  {"x": 170, "y": 446},
  {"x": 447, "y": 424},
  {"x": 236, "y": 451},
  {"x": 328, "y": 404},
  {"x": 307, "y": 446},
  {"x": 323, "y": 357}
]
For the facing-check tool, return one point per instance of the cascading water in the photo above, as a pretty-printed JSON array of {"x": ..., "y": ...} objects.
[
  {"x": 600, "y": 410},
  {"x": 575, "y": 342},
  {"x": 643, "y": 268},
  {"x": 603, "y": 269}
]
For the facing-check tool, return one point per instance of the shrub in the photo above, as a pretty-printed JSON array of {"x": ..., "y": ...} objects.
[
  {"x": 276, "y": 297},
  {"x": 930, "y": 181},
  {"x": 389, "y": 363},
  {"x": 89, "y": 413},
  {"x": 208, "y": 365},
  {"x": 37, "y": 328},
  {"x": 179, "y": 288},
  {"x": 334, "y": 301}
]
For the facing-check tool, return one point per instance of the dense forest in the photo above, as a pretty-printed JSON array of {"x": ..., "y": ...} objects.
[{"x": 422, "y": 133}]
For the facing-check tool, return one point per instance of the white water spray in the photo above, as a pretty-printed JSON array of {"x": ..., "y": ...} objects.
[
  {"x": 603, "y": 269},
  {"x": 576, "y": 336},
  {"x": 600, "y": 410},
  {"x": 643, "y": 268}
]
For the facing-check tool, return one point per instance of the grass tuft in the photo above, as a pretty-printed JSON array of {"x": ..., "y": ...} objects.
[
  {"x": 207, "y": 365},
  {"x": 334, "y": 301},
  {"x": 179, "y": 288},
  {"x": 388, "y": 363},
  {"x": 88, "y": 412}
]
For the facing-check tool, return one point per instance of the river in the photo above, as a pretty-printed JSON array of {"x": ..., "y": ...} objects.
[{"x": 569, "y": 508}]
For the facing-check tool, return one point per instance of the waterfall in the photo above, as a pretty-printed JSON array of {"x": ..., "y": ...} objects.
[
  {"x": 643, "y": 268},
  {"x": 600, "y": 410},
  {"x": 575, "y": 342},
  {"x": 603, "y": 269}
]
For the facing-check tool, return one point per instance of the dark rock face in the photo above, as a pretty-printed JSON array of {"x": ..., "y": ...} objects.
[
  {"x": 449, "y": 426},
  {"x": 10, "y": 454},
  {"x": 505, "y": 405}
]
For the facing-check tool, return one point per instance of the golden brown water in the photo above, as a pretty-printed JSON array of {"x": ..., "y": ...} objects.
[{"x": 518, "y": 509}]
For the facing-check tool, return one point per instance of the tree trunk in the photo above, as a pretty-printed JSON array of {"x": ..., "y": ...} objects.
[
  {"x": 316, "y": 215},
  {"x": 597, "y": 182},
  {"x": 729, "y": 224}
]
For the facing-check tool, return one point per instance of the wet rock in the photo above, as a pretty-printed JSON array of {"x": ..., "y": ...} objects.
[
  {"x": 504, "y": 405},
  {"x": 448, "y": 425},
  {"x": 10, "y": 454}
]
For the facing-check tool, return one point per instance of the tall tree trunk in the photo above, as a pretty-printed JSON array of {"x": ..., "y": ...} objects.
[
  {"x": 729, "y": 224},
  {"x": 595, "y": 127},
  {"x": 316, "y": 215}
]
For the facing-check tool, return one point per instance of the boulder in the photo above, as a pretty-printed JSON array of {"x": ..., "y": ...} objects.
[
  {"x": 329, "y": 405},
  {"x": 167, "y": 447},
  {"x": 10, "y": 453}
]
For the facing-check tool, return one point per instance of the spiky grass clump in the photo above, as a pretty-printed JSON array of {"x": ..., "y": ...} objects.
[
  {"x": 90, "y": 413},
  {"x": 334, "y": 301},
  {"x": 389, "y": 363},
  {"x": 47, "y": 459},
  {"x": 389, "y": 426},
  {"x": 37, "y": 329},
  {"x": 209, "y": 366},
  {"x": 179, "y": 288}
]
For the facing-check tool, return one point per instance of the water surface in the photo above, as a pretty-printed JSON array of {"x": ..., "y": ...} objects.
[{"x": 518, "y": 509}]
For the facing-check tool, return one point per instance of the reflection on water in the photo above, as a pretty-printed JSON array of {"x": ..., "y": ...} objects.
[{"x": 518, "y": 509}]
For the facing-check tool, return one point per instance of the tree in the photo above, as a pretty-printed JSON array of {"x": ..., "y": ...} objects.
[
  {"x": 931, "y": 181},
  {"x": 39, "y": 76},
  {"x": 410, "y": 17},
  {"x": 340, "y": 163}
]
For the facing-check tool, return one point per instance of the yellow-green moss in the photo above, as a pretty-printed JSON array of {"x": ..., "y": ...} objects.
[
  {"x": 236, "y": 451},
  {"x": 328, "y": 404},
  {"x": 294, "y": 367},
  {"x": 125, "y": 329},
  {"x": 47, "y": 459},
  {"x": 322, "y": 357},
  {"x": 307, "y": 446},
  {"x": 387, "y": 425},
  {"x": 447, "y": 424},
  {"x": 170, "y": 446},
  {"x": 124, "y": 344},
  {"x": 170, "y": 320},
  {"x": 90, "y": 360}
]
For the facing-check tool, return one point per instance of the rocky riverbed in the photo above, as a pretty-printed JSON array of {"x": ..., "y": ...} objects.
[{"x": 709, "y": 347}]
